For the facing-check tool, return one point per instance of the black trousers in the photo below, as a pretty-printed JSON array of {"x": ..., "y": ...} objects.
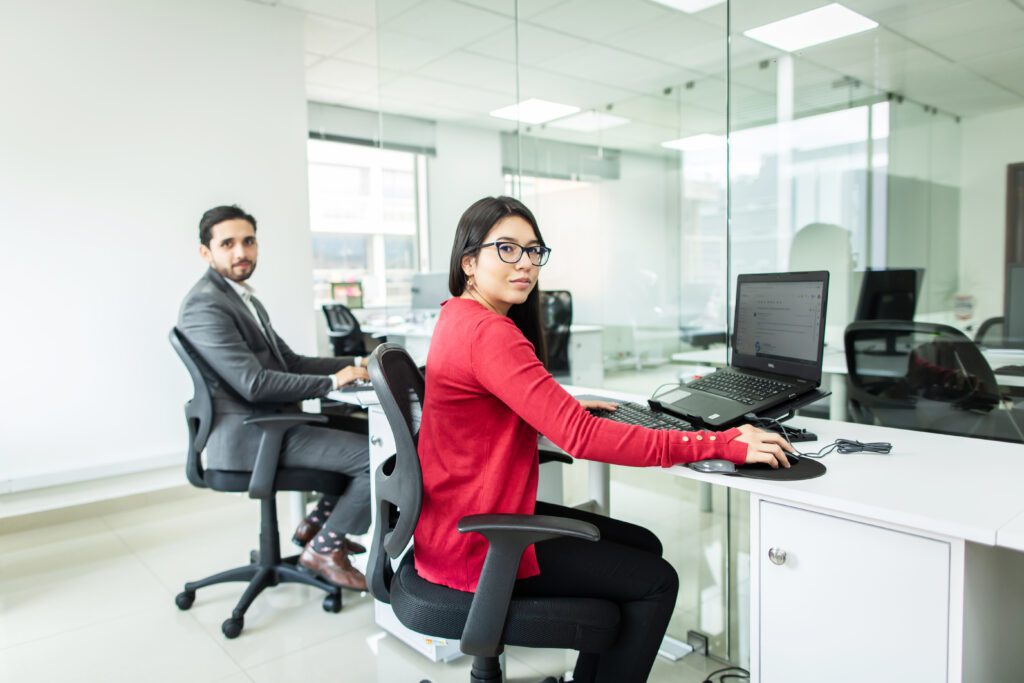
[{"x": 626, "y": 567}]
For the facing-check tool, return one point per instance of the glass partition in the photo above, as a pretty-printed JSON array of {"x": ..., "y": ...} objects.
[{"x": 667, "y": 146}]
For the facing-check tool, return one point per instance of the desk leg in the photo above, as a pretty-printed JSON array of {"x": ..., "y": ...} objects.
[
  {"x": 600, "y": 485},
  {"x": 297, "y": 506},
  {"x": 837, "y": 401}
]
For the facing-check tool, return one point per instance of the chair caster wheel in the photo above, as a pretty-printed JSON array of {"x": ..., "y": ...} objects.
[
  {"x": 185, "y": 599},
  {"x": 232, "y": 627},
  {"x": 332, "y": 603}
]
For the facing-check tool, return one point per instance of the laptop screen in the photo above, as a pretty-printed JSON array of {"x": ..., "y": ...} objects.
[{"x": 780, "y": 320}]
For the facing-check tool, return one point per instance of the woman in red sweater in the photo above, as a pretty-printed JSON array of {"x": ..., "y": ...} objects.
[{"x": 488, "y": 396}]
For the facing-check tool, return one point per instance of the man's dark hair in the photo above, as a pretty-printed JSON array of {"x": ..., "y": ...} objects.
[{"x": 219, "y": 214}]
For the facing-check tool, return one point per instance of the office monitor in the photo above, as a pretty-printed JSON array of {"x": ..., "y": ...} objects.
[
  {"x": 889, "y": 294},
  {"x": 1013, "y": 306},
  {"x": 429, "y": 290}
]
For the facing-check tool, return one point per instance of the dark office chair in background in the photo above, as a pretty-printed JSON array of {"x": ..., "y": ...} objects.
[
  {"x": 991, "y": 333},
  {"x": 490, "y": 618},
  {"x": 923, "y": 376},
  {"x": 556, "y": 313},
  {"x": 343, "y": 330},
  {"x": 266, "y": 567}
]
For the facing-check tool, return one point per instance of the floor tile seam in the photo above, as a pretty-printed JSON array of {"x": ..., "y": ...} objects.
[
  {"x": 221, "y": 643},
  {"x": 300, "y": 650},
  {"x": 76, "y": 629},
  {"x": 139, "y": 558}
]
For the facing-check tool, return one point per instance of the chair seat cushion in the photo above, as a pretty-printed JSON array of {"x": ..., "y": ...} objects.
[
  {"x": 287, "y": 479},
  {"x": 584, "y": 624}
]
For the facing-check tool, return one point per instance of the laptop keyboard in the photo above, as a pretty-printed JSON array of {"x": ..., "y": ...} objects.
[
  {"x": 747, "y": 389},
  {"x": 636, "y": 414}
]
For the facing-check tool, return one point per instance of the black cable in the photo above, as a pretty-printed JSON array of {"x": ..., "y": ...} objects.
[
  {"x": 726, "y": 672},
  {"x": 837, "y": 446}
]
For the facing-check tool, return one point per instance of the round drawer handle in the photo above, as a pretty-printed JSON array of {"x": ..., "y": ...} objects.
[
  {"x": 777, "y": 555},
  {"x": 376, "y": 440}
]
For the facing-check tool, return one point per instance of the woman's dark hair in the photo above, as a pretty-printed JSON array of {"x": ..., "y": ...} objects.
[
  {"x": 219, "y": 214},
  {"x": 474, "y": 225}
]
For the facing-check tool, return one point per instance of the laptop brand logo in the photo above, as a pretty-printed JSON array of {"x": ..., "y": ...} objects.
[{"x": 771, "y": 365}]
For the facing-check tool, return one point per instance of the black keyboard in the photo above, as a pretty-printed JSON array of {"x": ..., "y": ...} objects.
[
  {"x": 636, "y": 414},
  {"x": 747, "y": 389}
]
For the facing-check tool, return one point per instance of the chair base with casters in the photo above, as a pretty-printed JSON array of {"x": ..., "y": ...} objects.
[{"x": 266, "y": 567}]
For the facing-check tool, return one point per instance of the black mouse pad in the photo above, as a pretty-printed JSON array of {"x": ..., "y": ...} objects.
[{"x": 804, "y": 468}]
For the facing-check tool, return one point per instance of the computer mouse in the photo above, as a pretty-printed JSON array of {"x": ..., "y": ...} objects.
[{"x": 714, "y": 465}]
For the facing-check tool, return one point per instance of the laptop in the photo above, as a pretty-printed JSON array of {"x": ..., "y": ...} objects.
[{"x": 777, "y": 345}]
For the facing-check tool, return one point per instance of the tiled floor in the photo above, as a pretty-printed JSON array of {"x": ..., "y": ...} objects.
[{"x": 87, "y": 595}]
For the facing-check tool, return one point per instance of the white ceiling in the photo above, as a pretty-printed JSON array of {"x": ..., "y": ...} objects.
[{"x": 456, "y": 59}]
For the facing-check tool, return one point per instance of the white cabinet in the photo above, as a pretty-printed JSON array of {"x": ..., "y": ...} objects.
[{"x": 843, "y": 601}]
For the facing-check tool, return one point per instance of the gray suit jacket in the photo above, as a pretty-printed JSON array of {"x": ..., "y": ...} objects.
[{"x": 253, "y": 373}]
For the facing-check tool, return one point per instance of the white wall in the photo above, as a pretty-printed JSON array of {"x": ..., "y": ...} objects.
[
  {"x": 123, "y": 120},
  {"x": 990, "y": 143},
  {"x": 467, "y": 168}
]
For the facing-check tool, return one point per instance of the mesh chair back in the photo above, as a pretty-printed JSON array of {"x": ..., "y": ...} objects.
[
  {"x": 344, "y": 331},
  {"x": 399, "y": 385},
  {"x": 556, "y": 312},
  {"x": 198, "y": 411},
  {"x": 905, "y": 366}
]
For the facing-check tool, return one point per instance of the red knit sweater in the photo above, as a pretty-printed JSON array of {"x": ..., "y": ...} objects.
[{"x": 487, "y": 397}]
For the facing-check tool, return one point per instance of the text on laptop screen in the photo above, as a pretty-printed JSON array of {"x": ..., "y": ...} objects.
[{"x": 779, "y": 320}]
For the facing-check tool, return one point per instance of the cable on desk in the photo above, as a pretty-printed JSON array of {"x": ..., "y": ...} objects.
[
  {"x": 728, "y": 673},
  {"x": 837, "y": 446}
]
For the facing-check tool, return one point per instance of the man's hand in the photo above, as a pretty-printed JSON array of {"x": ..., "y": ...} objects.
[
  {"x": 351, "y": 374},
  {"x": 766, "y": 447}
]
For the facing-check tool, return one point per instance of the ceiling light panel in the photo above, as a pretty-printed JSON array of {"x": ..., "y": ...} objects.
[
  {"x": 590, "y": 121},
  {"x": 815, "y": 27},
  {"x": 534, "y": 111},
  {"x": 689, "y": 6}
]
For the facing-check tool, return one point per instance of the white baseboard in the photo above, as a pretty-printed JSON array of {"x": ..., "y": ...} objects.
[{"x": 51, "y": 491}]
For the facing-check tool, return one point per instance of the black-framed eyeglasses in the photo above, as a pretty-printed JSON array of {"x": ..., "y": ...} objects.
[{"x": 510, "y": 252}]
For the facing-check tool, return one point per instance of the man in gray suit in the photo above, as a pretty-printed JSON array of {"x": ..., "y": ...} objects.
[{"x": 231, "y": 331}]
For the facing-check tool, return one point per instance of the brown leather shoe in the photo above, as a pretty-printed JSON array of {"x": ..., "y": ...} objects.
[
  {"x": 305, "y": 532},
  {"x": 333, "y": 566}
]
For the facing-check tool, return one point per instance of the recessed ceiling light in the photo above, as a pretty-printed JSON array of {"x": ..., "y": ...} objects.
[
  {"x": 689, "y": 6},
  {"x": 534, "y": 111},
  {"x": 590, "y": 121},
  {"x": 811, "y": 28},
  {"x": 696, "y": 143}
]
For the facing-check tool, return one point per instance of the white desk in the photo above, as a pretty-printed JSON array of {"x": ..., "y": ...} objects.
[{"x": 900, "y": 567}]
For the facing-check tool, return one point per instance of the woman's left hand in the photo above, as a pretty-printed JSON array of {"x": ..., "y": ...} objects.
[{"x": 589, "y": 404}]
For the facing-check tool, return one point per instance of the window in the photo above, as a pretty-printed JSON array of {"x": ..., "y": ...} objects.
[{"x": 364, "y": 216}]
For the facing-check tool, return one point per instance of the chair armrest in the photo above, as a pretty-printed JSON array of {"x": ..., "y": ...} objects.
[
  {"x": 508, "y": 536},
  {"x": 545, "y": 455},
  {"x": 273, "y": 427}
]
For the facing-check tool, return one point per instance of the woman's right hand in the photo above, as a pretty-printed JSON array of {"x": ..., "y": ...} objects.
[{"x": 765, "y": 447}]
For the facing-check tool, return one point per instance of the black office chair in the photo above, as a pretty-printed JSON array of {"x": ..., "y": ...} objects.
[
  {"x": 923, "y": 376},
  {"x": 991, "y": 333},
  {"x": 266, "y": 567},
  {"x": 556, "y": 314},
  {"x": 491, "y": 618},
  {"x": 343, "y": 330}
]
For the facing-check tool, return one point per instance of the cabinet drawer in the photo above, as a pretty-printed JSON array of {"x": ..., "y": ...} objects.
[{"x": 845, "y": 601}]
